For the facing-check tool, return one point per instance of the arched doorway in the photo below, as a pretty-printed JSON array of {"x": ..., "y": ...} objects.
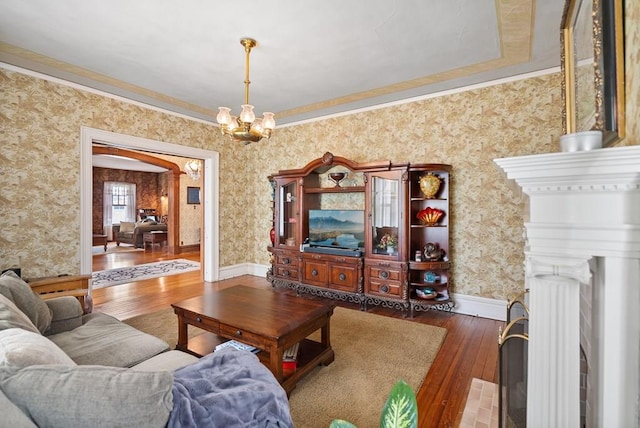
[{"x": 173, "y": 187}]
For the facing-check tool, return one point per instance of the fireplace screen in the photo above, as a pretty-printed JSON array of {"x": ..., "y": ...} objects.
[{"x": 513, "y": 342}]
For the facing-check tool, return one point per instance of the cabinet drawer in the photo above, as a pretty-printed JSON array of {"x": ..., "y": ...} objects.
[
  {"x": 315, "y": 273},
  {"x": 285, "y": 259},
  {"x": 384, "y": 273},
  {"x": 344, "y": 278},
  {"x": 241, "y": 335},
  {"x": 385, "y": 288},
  {"x": 210, "y": 325},
  {"x": 287, "y": 272}
]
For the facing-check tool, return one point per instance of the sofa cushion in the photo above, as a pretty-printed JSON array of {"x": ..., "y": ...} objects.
[
  {"x": 14, "y": 288},
  {"x": 104, "y": 340},
  {"x": 12, "y": 317},
  {"x": 127, "y": 226},
  {"x": 21, "y": 348},
  {"x": 170, "y": 360},
  {"x": 12, "y": 416},
  {"x": 89, "y": 396}
]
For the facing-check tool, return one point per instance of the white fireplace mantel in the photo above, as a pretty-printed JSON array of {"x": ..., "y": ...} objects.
[{"x": 583, "y": 239}]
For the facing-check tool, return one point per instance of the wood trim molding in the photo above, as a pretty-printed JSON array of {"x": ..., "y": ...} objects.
[
  {"x": 173, "y": 184},
  {"x": 143, "y": 157}
]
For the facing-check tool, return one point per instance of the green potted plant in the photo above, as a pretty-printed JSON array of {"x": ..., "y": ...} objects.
[{"x": 400, "y": 410}]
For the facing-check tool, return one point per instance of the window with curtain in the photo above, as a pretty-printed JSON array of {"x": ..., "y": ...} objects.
[{"x": 119, "y": 205}]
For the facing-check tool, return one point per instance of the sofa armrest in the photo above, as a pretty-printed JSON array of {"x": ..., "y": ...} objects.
[{"x": 66, "y": 314}]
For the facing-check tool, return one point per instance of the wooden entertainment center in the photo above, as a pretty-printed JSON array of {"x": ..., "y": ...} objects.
[{"x": 369, "y": 233}]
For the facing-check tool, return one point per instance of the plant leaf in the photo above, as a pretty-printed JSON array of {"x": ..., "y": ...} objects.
[{"x": 401, "y": 408}]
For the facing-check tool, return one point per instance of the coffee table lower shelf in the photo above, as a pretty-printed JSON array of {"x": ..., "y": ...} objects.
[{"x": 310, "y": 355}]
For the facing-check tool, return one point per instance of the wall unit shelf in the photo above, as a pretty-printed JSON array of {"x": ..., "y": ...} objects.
[
  {"x": 370, "y": 258},
  {"x": 351, "y": 189}
]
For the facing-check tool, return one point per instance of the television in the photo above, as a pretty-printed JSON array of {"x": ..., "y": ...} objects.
[{"x": 336, "y": 228}]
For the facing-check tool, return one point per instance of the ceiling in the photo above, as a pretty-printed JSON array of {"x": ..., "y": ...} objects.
[
  {"x": 314, "y": 58},
  {"x": 119, "y": 162}
]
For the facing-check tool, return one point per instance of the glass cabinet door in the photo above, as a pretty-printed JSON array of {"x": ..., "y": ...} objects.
[
  {"x": 288, "y": 216},
  {"x": 385, "y": 215}
]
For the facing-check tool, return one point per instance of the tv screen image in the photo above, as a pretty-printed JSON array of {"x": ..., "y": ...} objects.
[{"x": 336, "y": 228}]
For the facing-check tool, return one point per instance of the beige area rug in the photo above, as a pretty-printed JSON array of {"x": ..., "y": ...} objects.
[
  {"x": 372, "y": 353},
  {"x": 162, "y": 324}
]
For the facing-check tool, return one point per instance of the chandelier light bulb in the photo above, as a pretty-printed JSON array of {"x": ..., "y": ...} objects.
[
  {"x": 247, "y": 115},
  {"x": 224, "y": 116},
  {"x": 257, "y": 126},
  {"x": 268, "y": 122}
]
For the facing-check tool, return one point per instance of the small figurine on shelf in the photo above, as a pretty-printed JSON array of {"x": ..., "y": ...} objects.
[
  {"x": 433, "y": 252},
  {"x": 388, "y": 242}
]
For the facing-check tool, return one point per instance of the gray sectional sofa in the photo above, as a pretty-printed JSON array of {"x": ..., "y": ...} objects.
[{"x": 62, "y": 368}]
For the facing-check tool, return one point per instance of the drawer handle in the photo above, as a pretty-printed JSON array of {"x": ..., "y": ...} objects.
[
  {"x": 286, "y": 261},
  {"x": 199, "y": 319},
  {"x": 342, "y": 277},
  {"x": 286, "y": 273},
  {"x": 384, "y": 288},
  {"x": 314, "y": 272},
  {"x": 384, "y": 274},
  {"x": 238, "y": 333}
]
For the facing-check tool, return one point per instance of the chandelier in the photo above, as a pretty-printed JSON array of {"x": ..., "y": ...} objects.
[
  {"x": 193, "y": 168},
  {"x": 246, "y": 128}
]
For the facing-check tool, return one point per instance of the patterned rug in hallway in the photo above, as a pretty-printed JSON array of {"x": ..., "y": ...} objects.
[{"x": 107, "y": 278}]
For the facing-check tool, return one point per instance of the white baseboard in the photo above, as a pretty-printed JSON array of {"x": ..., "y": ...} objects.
[
  {"x": 482, "y": 307},
  {"x": 466, "y": 305},
  {"x": 243, "y": 269}
]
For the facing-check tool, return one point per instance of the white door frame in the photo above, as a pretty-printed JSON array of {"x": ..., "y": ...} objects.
[{"x": 209, "y": 252}]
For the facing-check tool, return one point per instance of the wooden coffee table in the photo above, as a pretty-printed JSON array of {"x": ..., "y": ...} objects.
[{"x": 266, "y": 319}]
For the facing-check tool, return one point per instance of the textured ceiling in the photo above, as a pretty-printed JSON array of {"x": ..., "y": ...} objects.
[{"x": 314, "y": 58}]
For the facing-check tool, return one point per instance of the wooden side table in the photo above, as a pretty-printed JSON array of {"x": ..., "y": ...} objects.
[
  {"x": 66, "y": 285},
  {"x": 100, "y": 240},
  {"x": 154, "y": 237}
]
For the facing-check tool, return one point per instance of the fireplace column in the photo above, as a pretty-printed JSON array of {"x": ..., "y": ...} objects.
[
  {"x": 619, "y": 350},
  {"x": 583, "y": 236},
  {"x": 553, "y": 380}
]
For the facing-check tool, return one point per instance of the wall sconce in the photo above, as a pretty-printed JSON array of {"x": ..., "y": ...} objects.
[{"x": 193, "y": 169}]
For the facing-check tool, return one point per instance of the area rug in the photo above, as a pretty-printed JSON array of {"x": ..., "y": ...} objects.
[
  {"x": 162, "y": 324},
  {"x": 107, "y": 278},
  {"x": 372, "y": 353}
]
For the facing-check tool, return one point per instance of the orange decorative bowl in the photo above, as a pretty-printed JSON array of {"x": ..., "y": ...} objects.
[{"x": 430, "y": 216}]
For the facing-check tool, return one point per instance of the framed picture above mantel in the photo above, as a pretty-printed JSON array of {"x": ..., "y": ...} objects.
[{"x": 592, "y": 60}]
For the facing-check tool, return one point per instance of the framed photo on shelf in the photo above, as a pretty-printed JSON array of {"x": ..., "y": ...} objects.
[{"x": 193, "y": 195}]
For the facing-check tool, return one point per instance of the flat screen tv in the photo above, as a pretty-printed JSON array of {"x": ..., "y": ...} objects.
[{"x": 336, "y": 228}]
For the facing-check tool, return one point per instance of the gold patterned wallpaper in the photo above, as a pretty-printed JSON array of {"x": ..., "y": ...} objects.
[{"x": 39, "y": 160}]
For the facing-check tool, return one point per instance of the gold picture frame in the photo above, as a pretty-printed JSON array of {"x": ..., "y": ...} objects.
[{"x": 592, "y": 66}]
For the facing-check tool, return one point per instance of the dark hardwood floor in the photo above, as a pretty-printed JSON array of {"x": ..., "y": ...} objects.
[{"x": 469, "y": 350}]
